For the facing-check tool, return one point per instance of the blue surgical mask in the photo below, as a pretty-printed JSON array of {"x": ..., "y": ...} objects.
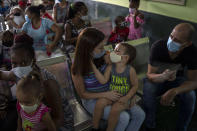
[
  {"x": 96, "y": 56},
  {"x": 27, "y": 19},
  {"x": 173, "y": 46}
]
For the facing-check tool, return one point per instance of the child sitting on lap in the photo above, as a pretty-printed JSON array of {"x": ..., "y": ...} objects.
[{"x": 123, "y": 79}]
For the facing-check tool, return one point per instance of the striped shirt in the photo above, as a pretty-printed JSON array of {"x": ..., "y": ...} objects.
[
  {"x": 92, "y": 84},
  {"x": 33, "y": 122}
]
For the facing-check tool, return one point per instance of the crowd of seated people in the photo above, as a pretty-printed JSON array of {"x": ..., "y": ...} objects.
[{"x": 106, "y": 82}]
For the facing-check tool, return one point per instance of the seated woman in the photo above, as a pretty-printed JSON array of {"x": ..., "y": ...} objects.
[
  {"x": 90, "y": 47},
  {"x": 17, "y": 18},
  {"x": 75, "y": 23},
  {"x": 23, "y": 62},
  {"x": 37, "y": 27}
]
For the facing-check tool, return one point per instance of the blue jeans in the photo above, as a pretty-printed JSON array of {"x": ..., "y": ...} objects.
[
  {"x": 128, "y": 121},
  {"x": 187, "y": 102}
]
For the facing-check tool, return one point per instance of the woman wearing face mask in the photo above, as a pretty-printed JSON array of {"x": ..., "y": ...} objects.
[
  {"x": 75, "y": 23},
  {"x": 37, "y": 27},
  {"x": 90, "y": 48},
  {"x": 17, "y": 18},
  {"x": 60, "y": 11},
  {"x": 23, "y": 62}
]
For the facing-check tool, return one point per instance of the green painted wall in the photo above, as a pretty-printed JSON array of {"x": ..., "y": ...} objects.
[{"x": 187, "y": 12}]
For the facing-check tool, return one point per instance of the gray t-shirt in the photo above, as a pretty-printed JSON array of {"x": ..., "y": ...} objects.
[{"x": 120, "y": 81}]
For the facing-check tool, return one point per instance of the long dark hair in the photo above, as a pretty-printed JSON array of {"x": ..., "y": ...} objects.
[
  {"x": 75, "y": 8},
  {"x": 88, "y": 39}
]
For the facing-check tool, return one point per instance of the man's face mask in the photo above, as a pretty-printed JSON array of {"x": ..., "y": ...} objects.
[
  {"x": 29, "y": 109},
  {"x": 22, "y": 71},
  {"x": 173, "y": 46},
  {"x": 27, "y": 19},
  {"x": 99, "y": 55}
]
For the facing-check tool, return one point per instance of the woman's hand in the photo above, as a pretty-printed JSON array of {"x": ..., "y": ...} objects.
[
  {"x": 50, "y": 47},
  {"x": 107, "y": 58},
  {"x": 112, "y": 95}
]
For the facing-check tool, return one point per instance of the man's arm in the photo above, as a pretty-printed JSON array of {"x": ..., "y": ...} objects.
[
  {"x": 158, "y": 78},
  {"x": 189, "y": 84}
]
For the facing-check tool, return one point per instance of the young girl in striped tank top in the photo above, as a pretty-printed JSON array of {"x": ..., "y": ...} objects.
[
  {"x": 123, "y": 79},
  {"x": 33, "y": 115}
]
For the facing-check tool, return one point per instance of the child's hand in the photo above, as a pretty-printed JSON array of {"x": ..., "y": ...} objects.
[
  {"x": 112, "y": 95},
  {"x": 136, "y": 13},
  {"x": 141, "y": 16},
  {"x": 124, "y": 100},
  {"x": 114, "y": 30}
]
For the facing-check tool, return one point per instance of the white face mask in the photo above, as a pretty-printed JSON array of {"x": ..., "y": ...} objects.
[
  {"x": 132, "y": 10},
  {"x": 29, "y": 109},
  {"x": 114, "y": 57},
  {"x": 84, "y": 18},
  {"x": 22, "y": 71}
]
